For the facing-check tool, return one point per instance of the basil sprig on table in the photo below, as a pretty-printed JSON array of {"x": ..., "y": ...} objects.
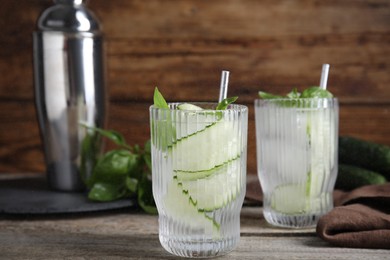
[{"x": 122, "y": 173}]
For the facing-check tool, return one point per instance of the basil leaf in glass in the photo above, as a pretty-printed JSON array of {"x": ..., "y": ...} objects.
[
  {"x": 225, "y": 103},
  {"x": 159, "y": 100},
  {"x": 265, "y": 95},
  {"x": 294, "y": 94},
  {"x": 316, "y": 92}
]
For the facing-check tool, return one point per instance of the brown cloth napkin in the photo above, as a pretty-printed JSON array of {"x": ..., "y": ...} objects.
[{"x": 360, "y": 219}]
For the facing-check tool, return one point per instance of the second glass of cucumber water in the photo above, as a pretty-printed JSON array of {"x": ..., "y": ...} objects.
[
  {"x": 199, "y": 176},
  {"x": 297, "y": 144}
]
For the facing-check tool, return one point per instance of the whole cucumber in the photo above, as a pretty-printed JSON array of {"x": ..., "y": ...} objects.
[
  {"x": 365, "y": 154},
  {"x": 350, "y": 177}
]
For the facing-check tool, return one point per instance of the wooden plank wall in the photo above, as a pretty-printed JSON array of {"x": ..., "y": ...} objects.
[{"x": 181, "y": 46}]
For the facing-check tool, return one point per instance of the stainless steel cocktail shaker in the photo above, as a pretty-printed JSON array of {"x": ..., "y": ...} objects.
[{"x": 70, "y": 93}]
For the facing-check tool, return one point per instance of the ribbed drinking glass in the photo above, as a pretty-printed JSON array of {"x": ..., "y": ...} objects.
[
  {"x": 199, "y": 177},
  {"x": 297, "y": 144}
]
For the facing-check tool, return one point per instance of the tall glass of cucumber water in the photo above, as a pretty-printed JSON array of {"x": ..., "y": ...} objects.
[
  {"x": 297, "y": 144},
  {"x": 199, "y": 176}
]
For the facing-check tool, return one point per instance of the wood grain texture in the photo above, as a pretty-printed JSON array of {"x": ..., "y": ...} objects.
[
  {"x": 182, "y": 46},
  {"x": 134, "y": 235},
  {"x": 20, "y": 146}
]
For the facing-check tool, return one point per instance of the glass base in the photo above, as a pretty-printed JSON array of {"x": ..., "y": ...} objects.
[
  {"x": 292, "y": 221},
  {"x": 198, "y": 249},
  {"x": 201, "y": 237}
]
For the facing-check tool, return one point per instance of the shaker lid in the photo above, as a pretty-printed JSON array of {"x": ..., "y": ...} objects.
[
  {"x": 68, "y": 16},
  {"x": 76, "y": 2}
]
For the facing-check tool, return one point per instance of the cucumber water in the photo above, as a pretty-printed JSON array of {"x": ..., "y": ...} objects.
[
  {"x": 199, "y": 168},
  {"x": 297, "y": 158}
]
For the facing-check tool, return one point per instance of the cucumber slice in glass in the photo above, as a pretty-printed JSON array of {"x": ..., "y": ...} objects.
[
  {"x": 216, "y": 190},
  {"x": 289, "y": 199},
  {"x": 179, "y": 206},
  {"x": 219, "y": 145},
  {"x": 188, "y": 106}
]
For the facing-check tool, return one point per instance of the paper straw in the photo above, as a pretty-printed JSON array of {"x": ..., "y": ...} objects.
[
  {"x": 324, "y": 76},
  {"x": 224, "y": 85}
]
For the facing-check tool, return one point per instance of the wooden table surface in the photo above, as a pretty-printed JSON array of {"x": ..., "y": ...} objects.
[{"x": 131, "y": 234}]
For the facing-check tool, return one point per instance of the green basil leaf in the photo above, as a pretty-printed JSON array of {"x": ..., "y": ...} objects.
[
  {"x": 164, "y": 126},
  {"x": 294, "y": 94},
  {"x": 148, "y": 147},
  {"x": 114, "y": 166},
  {"x": 136, "y": 148},
  {"x": 145, "y": 196},
  {"x": 112, "y": 135},
  {"x": 159, "y": 100},
  {"x": 225, "y": 103},
  {"x": 106, "y": 192},
  {"x": 148, "y": 160},
  {"x": 265, "y": 95},
  {"x": 316, "y": 92},
  {"x": 132, "y": 184},
  {"x": 89, "y": 155}
]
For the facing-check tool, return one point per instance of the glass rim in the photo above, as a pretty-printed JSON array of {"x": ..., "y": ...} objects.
[
  {"x": 332, "y": 100},
  {"x": 294, "y": 99},
  {"x": 231, "y": 107}
]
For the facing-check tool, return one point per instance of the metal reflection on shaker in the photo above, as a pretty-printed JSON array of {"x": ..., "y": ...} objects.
[{"x": 69, "y": 77}]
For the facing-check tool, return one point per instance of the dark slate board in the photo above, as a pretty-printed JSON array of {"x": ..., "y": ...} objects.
[{"x": 32, "y": 196}]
